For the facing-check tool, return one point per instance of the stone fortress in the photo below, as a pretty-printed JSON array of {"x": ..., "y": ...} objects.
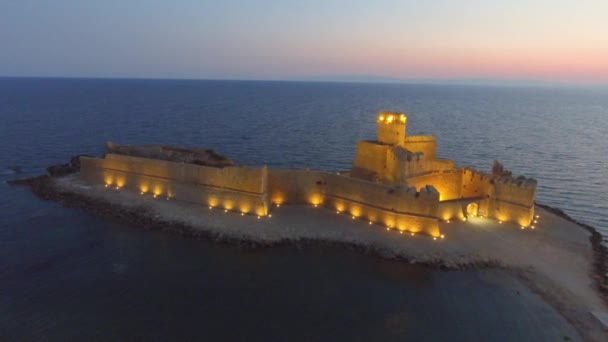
[{"x": 396, "y": 182}]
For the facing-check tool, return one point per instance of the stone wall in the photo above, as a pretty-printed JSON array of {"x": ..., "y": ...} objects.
[
  {"x": 512, "y": 199},
  {"x": 448, "y": 184},
  {"x": 234, "y": 188},
  {"x": 475, "y": 183},
  {"x": 425, "y": 144},
  {"x": 399, "y": 207},
  {"x": 371, "y": 156}
]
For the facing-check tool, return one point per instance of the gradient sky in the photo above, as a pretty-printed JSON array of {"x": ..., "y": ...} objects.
[{"x": 547, "y": 40}]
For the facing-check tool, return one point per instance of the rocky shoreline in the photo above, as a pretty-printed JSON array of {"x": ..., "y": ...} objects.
[{"x": 44, "y": 187}]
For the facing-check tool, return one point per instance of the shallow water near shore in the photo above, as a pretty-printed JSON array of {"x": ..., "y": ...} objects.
[{"x": 65, "y": 274}]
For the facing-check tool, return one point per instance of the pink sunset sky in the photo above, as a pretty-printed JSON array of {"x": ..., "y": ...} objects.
[{"x": 552, "y": 41}]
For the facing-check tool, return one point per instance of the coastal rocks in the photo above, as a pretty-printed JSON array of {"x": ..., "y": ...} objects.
[
  {"x": 59, "y": 170},
  {"x": 206, "y": 157}
]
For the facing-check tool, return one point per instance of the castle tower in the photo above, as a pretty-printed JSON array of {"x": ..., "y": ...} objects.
[{"x": 391, "y": 128}]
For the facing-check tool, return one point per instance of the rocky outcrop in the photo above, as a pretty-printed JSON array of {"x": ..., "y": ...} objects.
[
  {"x": 206, "y": 157},
  {"x": 65, "y": 169}
]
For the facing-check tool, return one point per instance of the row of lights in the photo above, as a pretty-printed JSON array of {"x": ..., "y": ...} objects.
[
  {"x": 242, "y": 212},
  {"x": 535, "y": 221},
  {"x": 388, "y": 227}
]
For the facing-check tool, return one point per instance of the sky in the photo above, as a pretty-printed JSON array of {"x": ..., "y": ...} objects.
[{"x": 563, "y": 41}]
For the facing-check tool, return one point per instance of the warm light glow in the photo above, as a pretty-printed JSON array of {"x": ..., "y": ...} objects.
[
  {"x": 464, "y": 219},
  {"x": 370, "y": 222},
  {"x": 500, "y": 222},
  {"x": 225, "y": 210},
  {"x": 532, "y": 227},
  {"x": 434, "y": 238},
  {"x": 141, "y": 193},
  {"x": 448, "y": 221},
  {"x": 106, "y": 185},
  {"x": 242, "y": 214},
  {"x": 117, "y": 188},
  {"x": 269, "y": 215},
  {"x": 412, "y": 233},
  {"x": 535, "y": 221},
  {"x": 258, "y": 217},
  {"x": 154, "y": 195},
  {"x": 402, "y": 118},
  {"x": 401, "y": 232},
  {"x": 210, "y": 207},
  {"x": 387, "y": 228},
  {"x": 353, "y": 217},
  {"x": 337, "y": 211},
  {"x": 522, "y": 227},
  {"x": 315, "y": 205},
  {"x": 442, "y": 236}
]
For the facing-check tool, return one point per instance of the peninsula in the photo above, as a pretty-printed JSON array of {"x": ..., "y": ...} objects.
[{"x": 398, "y": 201}]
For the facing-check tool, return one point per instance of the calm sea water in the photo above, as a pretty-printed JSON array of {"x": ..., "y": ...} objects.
[{"x": 65, "y": 274}]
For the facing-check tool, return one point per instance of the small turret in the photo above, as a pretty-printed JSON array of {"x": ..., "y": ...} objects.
[{"x": 391, "y": 128}]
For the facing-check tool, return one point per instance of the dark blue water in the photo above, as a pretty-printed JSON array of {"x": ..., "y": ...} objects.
[{"x": 65, "y": 274}]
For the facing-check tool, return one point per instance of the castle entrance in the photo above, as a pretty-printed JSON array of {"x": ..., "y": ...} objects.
[{"x": 472, "y": 209}]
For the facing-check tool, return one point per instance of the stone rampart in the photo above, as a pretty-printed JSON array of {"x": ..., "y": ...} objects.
[
  {"x": 448, "y": 184},
  {"x": 233, "y": 188},
  {"x": 425, "y": 144},
  {"x": 513, "y": 200},
  {"x": 399, "y": 207},
  {"x": 475, "y": 183}
]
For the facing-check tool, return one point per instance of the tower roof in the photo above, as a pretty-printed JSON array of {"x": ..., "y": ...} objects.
[{"x": 391, "y": 117}]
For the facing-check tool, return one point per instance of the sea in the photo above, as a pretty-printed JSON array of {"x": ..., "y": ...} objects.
[{"x": 68, "y": 275}]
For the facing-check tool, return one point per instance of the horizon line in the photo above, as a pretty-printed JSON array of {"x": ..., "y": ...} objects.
[{"x": 480, "y": 82}]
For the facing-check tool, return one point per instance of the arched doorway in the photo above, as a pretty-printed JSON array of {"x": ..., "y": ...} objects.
[{"x": 472, "y": 209}]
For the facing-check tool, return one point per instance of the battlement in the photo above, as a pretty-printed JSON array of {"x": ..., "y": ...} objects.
[{"x": 519, "y": 182}]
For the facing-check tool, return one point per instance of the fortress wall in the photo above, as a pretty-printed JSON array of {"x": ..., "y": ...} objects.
[
  {"x": 294, "y": 186},
  {"x": 521, "y": 192},
  {"x": 505, "y": 211},
  {"x": 180, "y": 181},
  {"x": 400, "y": 208},
  {"x": 513, "y": 200},
  {"x": 371, "y": 156},
  {"x": 474, "y": 183},
  {"x": 448, "y": 184},
  {"x": 422, "y": 143},
  {"x": 401, "y": 166},
  {"x": 233, "y": 177},
  {"x": 450, "y": 210}
]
